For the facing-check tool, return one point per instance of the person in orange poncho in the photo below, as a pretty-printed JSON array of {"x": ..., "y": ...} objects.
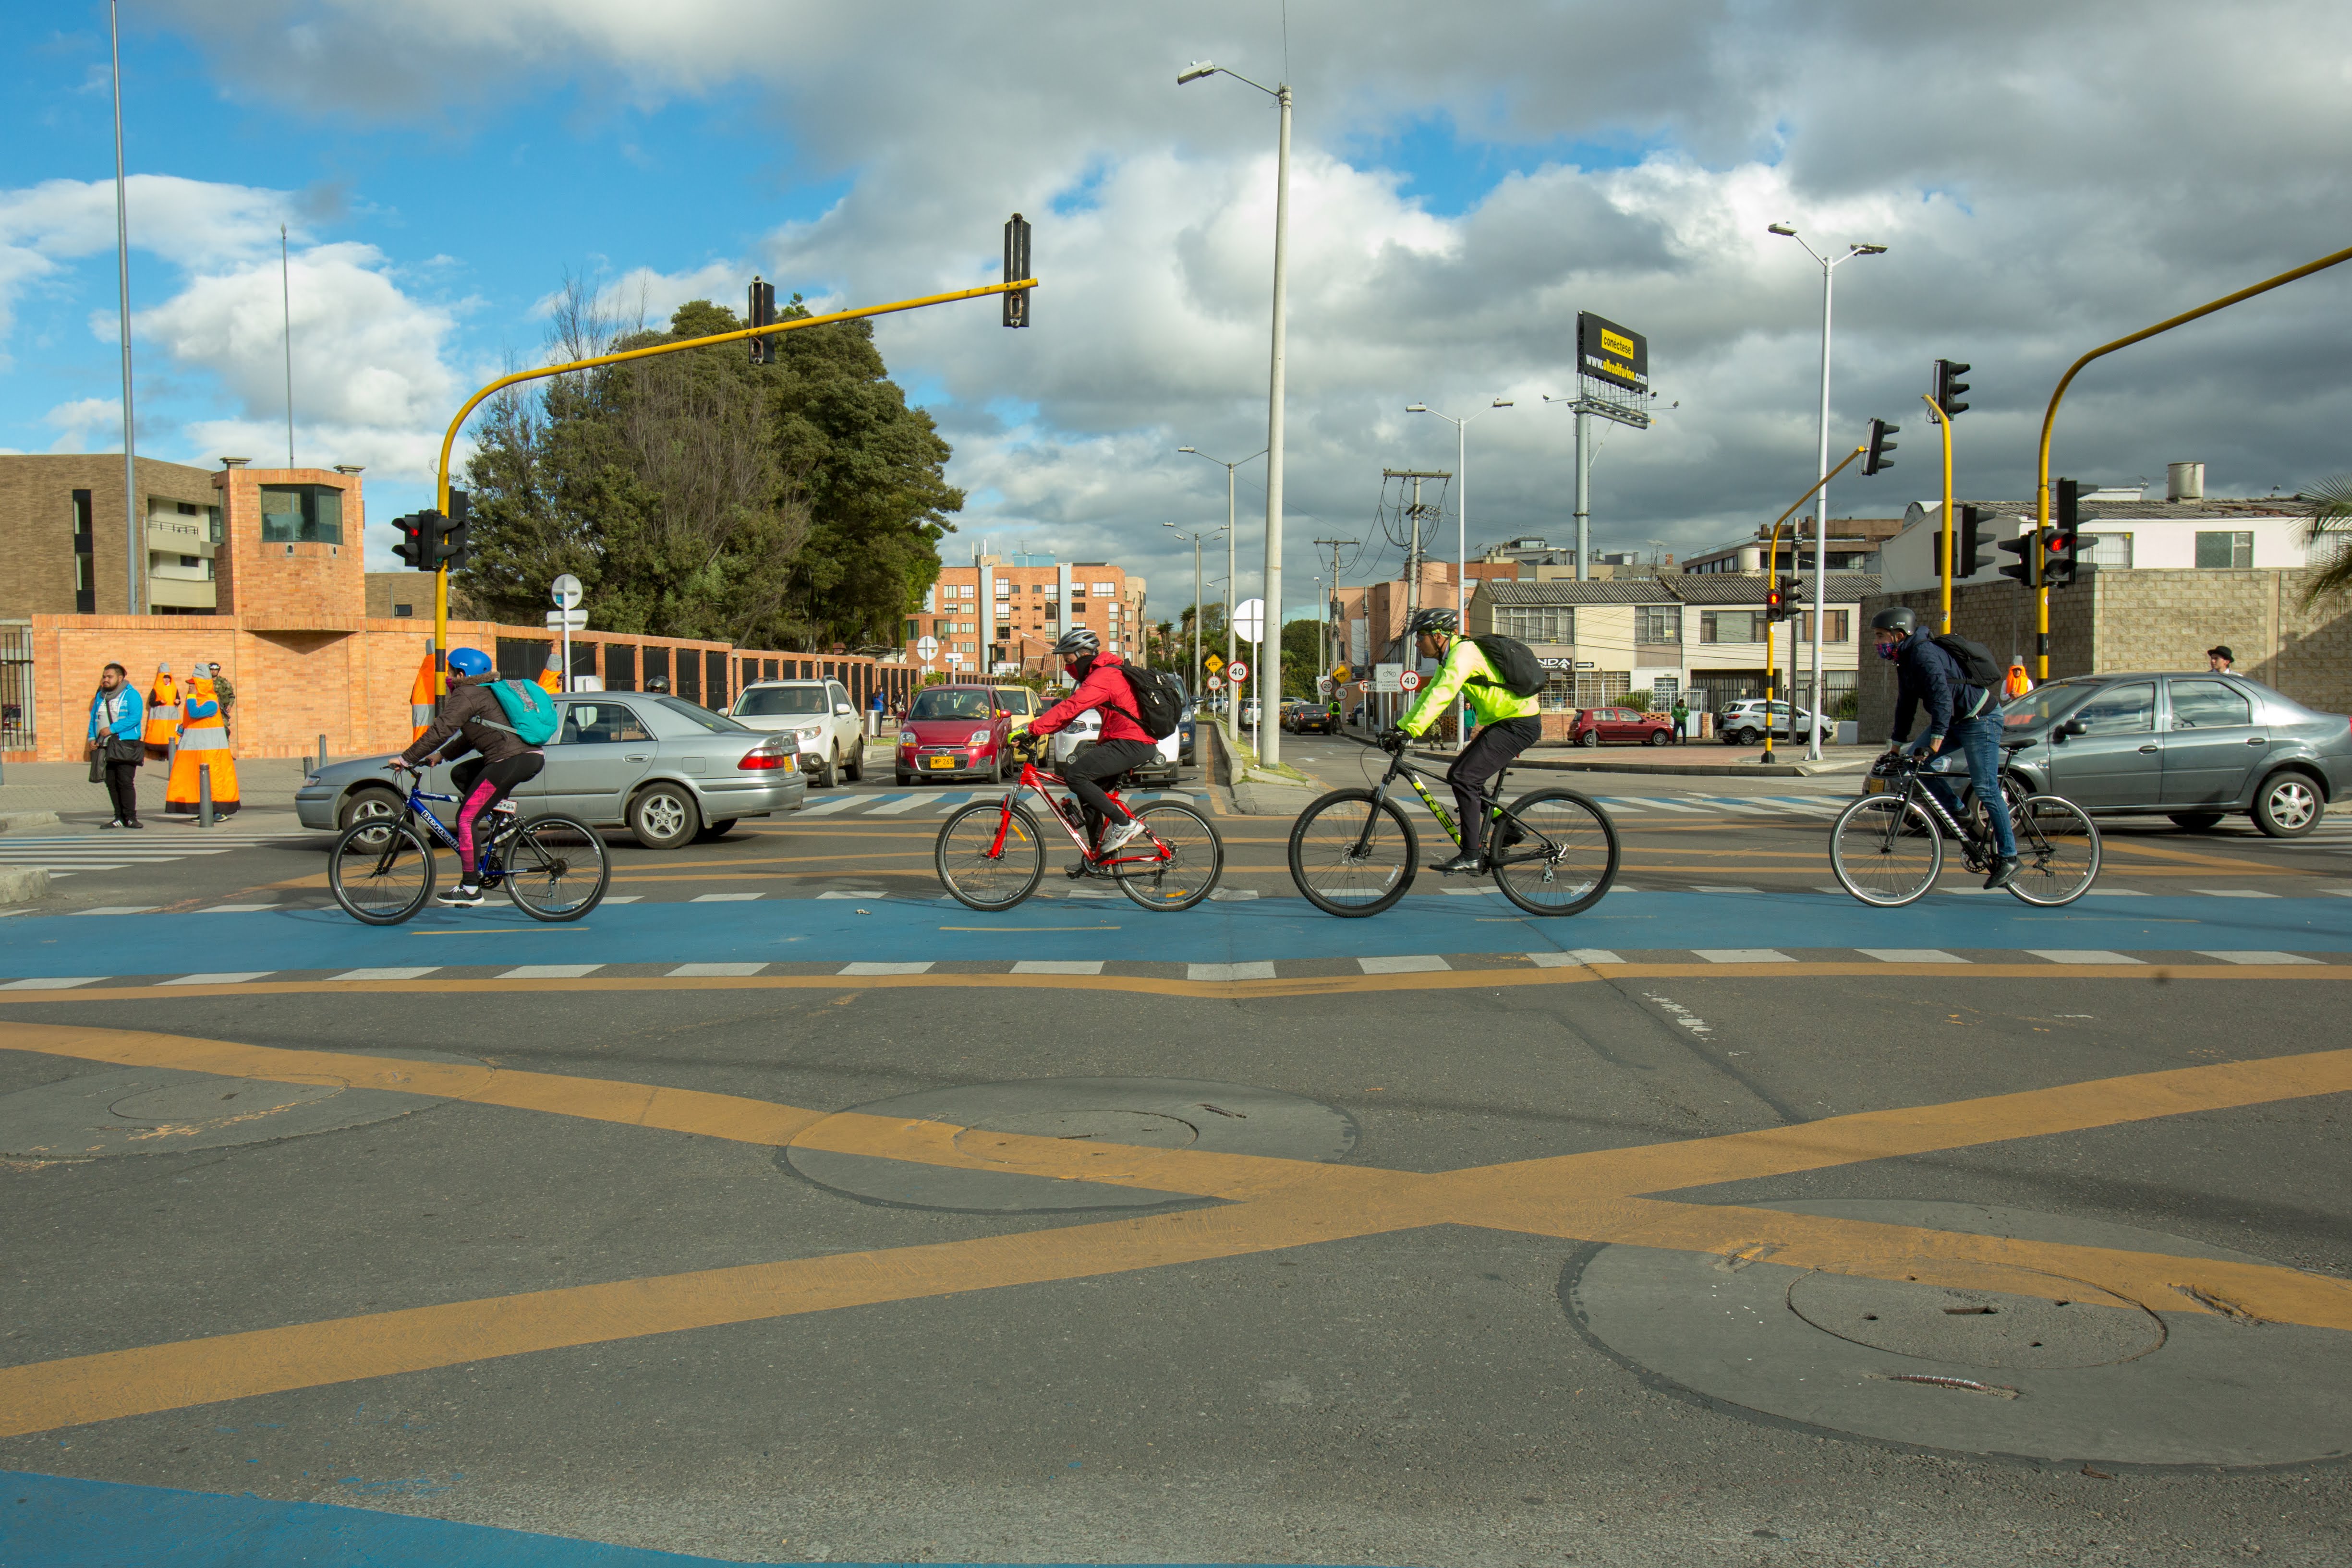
[
  {"x": 163, "y": 714},
  {"x": 204, "y": 742}
]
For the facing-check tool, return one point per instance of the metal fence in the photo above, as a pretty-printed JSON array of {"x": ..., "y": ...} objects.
[{"x": 15, "y": 686}]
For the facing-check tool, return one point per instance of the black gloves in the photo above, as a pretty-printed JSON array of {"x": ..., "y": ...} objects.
[{"x": 1390, "y": 739}]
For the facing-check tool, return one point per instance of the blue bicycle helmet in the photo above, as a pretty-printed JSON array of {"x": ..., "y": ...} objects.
[{"x": 468, "y": 662}]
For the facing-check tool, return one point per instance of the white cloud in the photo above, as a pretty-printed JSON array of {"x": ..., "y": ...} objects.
[{"x": 87, "y": 425}]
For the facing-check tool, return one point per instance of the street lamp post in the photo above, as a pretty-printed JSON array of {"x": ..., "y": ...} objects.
[
  {"x": 1229, "y": 531},
  {"x": 134, "y": 542},
  {"x": 1828, "y": 265},
  {"x": 1196, "y": 538},
  {"x": 1461, "y": 533},
  {"x": 1270, "y": 654}
]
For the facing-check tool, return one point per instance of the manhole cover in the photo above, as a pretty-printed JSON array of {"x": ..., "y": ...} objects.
[
  {"x": 2045, "y": 1321},
  {"x": 2001, "y": 1369},
  {"x": 163, "y": 1111},
  {"x": 997, "y": 1125},
  {"x": 208, "y": 1100}
]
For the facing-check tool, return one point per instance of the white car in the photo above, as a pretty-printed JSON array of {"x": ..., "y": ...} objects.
[
  {"x": 1741, "y": 723},
  {"x": 1086, "y": 729},
  {"x": 827, "y": 733}
]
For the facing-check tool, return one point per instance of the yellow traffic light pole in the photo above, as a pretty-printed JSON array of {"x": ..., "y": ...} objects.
[
  {"x": 449, "y": 439},
  {"x": 2050, "y": 418},
  {"x": 1946, "y": 549}
]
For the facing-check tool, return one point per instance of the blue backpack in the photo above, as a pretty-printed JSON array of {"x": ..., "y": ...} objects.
[{"x": 531, "y": 714}]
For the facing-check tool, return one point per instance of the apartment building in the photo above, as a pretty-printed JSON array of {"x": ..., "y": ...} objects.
[{"x": 1001, "y": 615}]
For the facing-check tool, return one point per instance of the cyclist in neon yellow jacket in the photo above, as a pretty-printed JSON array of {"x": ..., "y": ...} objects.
[{"x": 1509, "y": 724}]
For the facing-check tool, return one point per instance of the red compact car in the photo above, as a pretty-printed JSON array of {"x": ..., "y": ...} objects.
[
  {"x": 1621, "y": 727},
  {"x": 954, "y": 732}
]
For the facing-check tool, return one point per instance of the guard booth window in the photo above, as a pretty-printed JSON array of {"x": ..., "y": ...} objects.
[{"x": 301, "y": 514}]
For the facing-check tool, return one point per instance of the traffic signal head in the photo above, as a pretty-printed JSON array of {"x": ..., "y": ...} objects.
[
  {"x": 1949, "y": 387},
  {"x": 1969, "y": 554},
  {"x": 1876, "y": 458},
  {"x": 1016, "y": 267},
  {"x": 761, "y": 312},
  {"x": 2061, "y": 543},
  {"x": 2026, "y": 546},
  {"x": 1776, "y": 605},
  {"x": 453, "y": 541},
  {"x": 413, "y": 549}
]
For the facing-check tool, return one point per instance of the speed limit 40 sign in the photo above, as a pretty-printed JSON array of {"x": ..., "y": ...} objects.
[{"x": 1410, "y": 680}]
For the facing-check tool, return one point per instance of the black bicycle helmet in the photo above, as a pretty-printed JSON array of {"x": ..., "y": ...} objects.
[
  {"x": 1434, "y": 619},
  {"x": 1896, "y": 618},
  {"x": 1077, "y": 643}
]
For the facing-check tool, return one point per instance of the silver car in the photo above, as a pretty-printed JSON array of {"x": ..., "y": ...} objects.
[
  {"x": 2194, "y": 747},
  {"x": 669, "y": 769}
]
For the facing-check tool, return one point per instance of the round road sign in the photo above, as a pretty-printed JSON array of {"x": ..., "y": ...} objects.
[
  {"x": 1239, "y": 671},
  {"x": 926, "y": 648},
  {"x": 1410, "y": 680},
  {"x": 1216, "y": 683},
  {"x": 565, "y": 590}
]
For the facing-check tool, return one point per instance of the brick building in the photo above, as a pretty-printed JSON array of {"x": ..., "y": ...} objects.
[{"x": 1002, "y": 614}]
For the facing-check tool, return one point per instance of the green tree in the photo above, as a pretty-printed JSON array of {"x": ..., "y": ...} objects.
[
  {"x": 2329, "y": 536},
  {"x": 1299, "y": 654}
]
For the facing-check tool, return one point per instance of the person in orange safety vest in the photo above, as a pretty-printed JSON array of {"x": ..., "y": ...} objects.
[{"x": 204, "y": 742}]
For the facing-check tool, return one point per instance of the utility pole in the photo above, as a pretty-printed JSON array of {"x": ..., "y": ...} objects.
[
  {"x": 1414, "y": 512},
  {"x": 1323, "y": 611}
]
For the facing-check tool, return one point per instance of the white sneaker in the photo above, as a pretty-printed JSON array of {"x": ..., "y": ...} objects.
[{"x": 1118, "y": 835}]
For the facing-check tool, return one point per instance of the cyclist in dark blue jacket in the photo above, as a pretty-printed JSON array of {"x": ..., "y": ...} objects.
[{"x": 1960, "y": 717}]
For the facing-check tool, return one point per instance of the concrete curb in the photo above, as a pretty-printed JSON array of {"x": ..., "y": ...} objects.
[
  {"x": 1690, "y": 769},
  {"x": 16, "y": 821},
  {"x": 23, "y": 884}
]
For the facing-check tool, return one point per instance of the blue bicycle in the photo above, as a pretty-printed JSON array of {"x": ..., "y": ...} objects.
[{"x": 382, "y": 870}]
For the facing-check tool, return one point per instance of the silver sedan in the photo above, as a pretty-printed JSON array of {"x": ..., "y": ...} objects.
[
  {"x": 2195, "y": 748},
  {"x": 667, "y": 770}
]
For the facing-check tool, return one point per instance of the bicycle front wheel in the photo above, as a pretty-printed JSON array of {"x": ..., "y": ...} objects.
[
  {"x": 1556, "y": 853},
  {"x": 1885, "y": 850},
  {"x": 1186, "y": 857},
  {"x": 2057, "y": 851},
  {"x": 380, "y": 873},
  {"x": 981, "y": 872},
  {"x": 1352, "y": 853},
  {"x": 556, "y": 868}
]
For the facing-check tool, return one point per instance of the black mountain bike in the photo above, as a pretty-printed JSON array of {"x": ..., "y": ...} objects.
[
  {"x": 1553, "y": 851},
  {"x": 382, "y": 869},
  {"x": 1887, "y": 847}
]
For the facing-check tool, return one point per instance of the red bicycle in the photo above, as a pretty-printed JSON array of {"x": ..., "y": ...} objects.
[{"x": 990, "y": 854}]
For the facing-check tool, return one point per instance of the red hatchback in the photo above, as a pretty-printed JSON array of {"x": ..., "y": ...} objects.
[
  {"x": 1621, "y": 727},
  {"x": 954, "y": 732}
]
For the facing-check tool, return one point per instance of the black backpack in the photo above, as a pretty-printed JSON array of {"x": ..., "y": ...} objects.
[
  {"x": 1523, "y": 675},
  {"x": 1978, "y": 666},
  {"x": 1158, "y": 700}
]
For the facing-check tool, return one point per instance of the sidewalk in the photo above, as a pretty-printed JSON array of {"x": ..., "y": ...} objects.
[{"x": 30, "y": 788}]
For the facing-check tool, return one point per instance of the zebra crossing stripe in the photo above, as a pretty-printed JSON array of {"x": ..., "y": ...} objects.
[
  {"x": 840, "y": 803},
  {"x": 895, "y": 804}
]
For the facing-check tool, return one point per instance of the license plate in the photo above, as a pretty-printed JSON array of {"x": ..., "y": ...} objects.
[
  {"x": 938, "y": 762},
  {"x": 1873, "y": 786}
]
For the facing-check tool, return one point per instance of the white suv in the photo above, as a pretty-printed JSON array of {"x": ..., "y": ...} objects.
[
  {"x": 826, "y": 731},
  {"x": 1741, "y": 723}
]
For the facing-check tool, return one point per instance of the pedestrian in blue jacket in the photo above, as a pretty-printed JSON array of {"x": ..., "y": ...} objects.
[{"x": 117, "y": 715}]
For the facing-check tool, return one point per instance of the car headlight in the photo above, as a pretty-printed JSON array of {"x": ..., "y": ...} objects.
[
  {"x": 807, "y": 735},
  {"x": 980, "y": 739},
  {"x": 908, "y": 737}
]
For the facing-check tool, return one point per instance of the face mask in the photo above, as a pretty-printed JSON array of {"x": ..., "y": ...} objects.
[{"x": 1887, "y": 651}]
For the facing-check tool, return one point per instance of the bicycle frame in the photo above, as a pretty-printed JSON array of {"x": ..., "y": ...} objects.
[
  {"x": 1032, "y": 781},
  {"x": 1400, "y": 768},
  {"x": 491, "y": 868}
]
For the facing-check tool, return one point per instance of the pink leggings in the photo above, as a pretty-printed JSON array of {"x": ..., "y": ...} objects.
[{"x": 480, "y": 787}]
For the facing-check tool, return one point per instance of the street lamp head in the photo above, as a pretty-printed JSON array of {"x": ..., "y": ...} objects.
[
  {"x": 1194, "y": 450},
  {"x": 1867, "y": 249},
  {"x": 1195, "y": 71},
  {"x": 1416, "y": 408},
  {"x": 1783, "y": 230},
  {"x": 1504, "y": 403}
]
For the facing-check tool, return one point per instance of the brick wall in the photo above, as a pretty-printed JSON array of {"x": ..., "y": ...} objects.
[
  {"x": 2144, "y": 619},
  {"x": 297, "y": 584}
]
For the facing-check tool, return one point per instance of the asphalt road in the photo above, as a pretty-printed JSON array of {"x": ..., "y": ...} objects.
[{"x": 785, "y": 1213}]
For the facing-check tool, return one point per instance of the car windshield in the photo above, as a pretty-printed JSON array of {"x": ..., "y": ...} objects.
[
  {"x": 1016, "y": 699},
  {"x": 2043, "y": 703},
  {"x": 939, "y": 704},
  {"x": 772, "y": 702},
  {"x": 716, "y": 723}
]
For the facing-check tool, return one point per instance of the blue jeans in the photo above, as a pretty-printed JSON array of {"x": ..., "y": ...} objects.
[{"x": 1978, "y": 741}]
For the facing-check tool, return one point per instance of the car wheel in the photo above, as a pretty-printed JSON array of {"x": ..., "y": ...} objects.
[
  {"x": 1657, "y": 738},
  {"x": 713, "y": 831},
  {"x": 829, "y": 776},
  {"x": 1590, "y": 738},
  {"x": 665, "y": 817},
  {"x": 996, "y": 768},
  {"x": 2289, "y": 805},
  {"x": 904, "y": 780},
  {"x": 2194, "y": 821},
  {"x": 857, "y": 769},
  {"x": 364, "y": 805},
  {"x": 1743, "y": 738}
]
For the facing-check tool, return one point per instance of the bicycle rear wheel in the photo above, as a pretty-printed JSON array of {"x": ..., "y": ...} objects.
[
  {"x": 2057, "y": 851},
  {"x": 1885, "y": 850},
  {"x": 1186, "y": 866},
  {"x": 556, "y": 868},
  {"x": 1564, "y": 857},
  {"x": 1352, "y": 854},
  {"x": 380, "y": 873},
  {"x": 981, "y": 873}
]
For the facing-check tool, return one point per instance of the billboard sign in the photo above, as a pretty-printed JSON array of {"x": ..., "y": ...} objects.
[{"x": 1608, "y": 352}]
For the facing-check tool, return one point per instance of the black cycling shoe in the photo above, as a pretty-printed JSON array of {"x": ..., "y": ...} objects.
[
  {"x": 461, "y": 897},
  {"x": 1459, "y": 864},
  {"x": 2004, "y": 872}
]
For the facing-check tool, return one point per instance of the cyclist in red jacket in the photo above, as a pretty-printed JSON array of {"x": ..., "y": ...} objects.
[{"x": 1125, "y": 744}]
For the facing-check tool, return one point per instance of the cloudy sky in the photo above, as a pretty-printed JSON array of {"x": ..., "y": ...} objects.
[{"x": 1465, "y": 179}]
